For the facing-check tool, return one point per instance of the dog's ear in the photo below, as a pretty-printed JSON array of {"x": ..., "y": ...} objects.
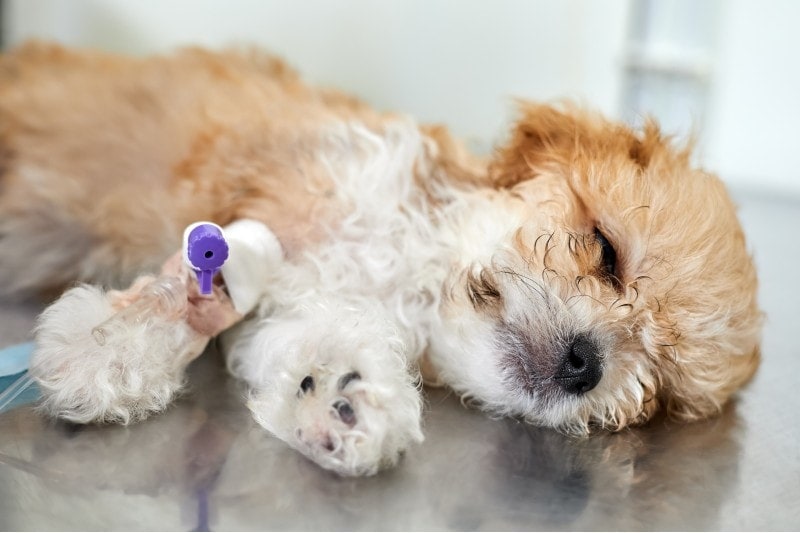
[
  {"x": 547, "y": 137},
  {"x": 543, "y": 136},
  {"x": 699, "y": 375}
]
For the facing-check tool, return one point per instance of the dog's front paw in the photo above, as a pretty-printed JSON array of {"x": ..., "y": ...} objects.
[
  {"x": 343, "y": 421},
  {"x": 116, "y": 356},
  {"x": 342, "y": 396}
]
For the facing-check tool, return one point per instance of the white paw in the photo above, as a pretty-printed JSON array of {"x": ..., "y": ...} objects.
[
  {"x": 95, "y": 364},
  {"x": 345, "y": 423},
  {"x": 342, "y": 396}
]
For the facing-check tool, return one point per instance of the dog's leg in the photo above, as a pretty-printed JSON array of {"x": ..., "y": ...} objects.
[
  {"x": 334, "y": 383},
  {"x": 120, "y": 356}
]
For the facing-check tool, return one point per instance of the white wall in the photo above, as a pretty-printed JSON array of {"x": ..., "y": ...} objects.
[
  {"x": 454, "y": 61},
  {"x": 753, "y": 137}
]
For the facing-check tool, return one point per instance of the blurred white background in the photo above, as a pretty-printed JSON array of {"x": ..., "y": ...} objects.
[{"x": 726, "y": 70}]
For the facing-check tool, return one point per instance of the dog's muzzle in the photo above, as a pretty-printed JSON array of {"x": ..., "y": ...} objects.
[{"x": 581, "y": 368}]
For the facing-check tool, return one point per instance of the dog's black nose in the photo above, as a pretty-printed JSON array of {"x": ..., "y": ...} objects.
[{"x": 581, "y": 370}]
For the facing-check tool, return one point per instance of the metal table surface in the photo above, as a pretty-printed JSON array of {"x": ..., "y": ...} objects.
[{"x": 204, "y": 464}]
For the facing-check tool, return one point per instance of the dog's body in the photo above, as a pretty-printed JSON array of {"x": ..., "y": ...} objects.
[{"x": 586, "y": 275}]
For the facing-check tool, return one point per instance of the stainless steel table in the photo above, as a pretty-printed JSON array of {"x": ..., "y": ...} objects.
[{"x": 205, "y": 465}]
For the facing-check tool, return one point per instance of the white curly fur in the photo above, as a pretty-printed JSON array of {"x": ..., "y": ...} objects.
[{"x": 360, "y": 304}]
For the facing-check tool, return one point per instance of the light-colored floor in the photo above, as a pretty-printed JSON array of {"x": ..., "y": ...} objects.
[{"x": 204, "y": 464}]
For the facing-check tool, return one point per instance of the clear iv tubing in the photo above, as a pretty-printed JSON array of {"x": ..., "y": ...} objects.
[
  {"x": 19, "y": 386},
  {"x": 164, "y": 296}
]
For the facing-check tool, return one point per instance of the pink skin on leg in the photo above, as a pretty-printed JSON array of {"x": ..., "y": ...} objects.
[{"x": 207, "y": 315}]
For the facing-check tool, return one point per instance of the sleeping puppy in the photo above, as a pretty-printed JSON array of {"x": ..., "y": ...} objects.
[{"x": 585, "y": 276}]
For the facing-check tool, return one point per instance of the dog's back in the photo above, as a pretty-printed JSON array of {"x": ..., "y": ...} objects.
[{"x": 105, "y": 159}]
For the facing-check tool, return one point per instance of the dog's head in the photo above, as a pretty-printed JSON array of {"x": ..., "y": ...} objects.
[{"x": 604, "y": 278}]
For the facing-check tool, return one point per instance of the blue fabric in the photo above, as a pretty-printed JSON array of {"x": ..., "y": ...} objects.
[{"x": 15, "y": 359}]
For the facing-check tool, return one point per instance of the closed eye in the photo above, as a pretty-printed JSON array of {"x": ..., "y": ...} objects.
[{"x": 608, "y": 259}]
